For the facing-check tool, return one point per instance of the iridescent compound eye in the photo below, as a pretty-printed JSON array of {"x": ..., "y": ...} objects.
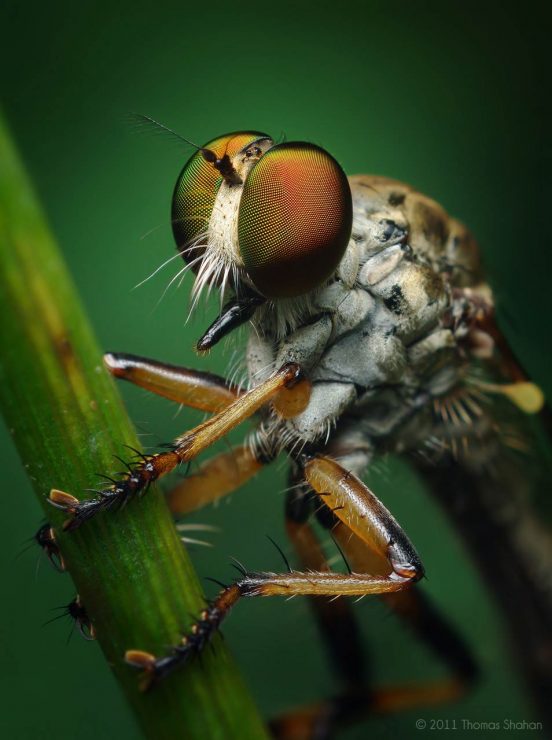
[
  {"x": 196, "y": 190},
  {"x": 295, "y": 219}
]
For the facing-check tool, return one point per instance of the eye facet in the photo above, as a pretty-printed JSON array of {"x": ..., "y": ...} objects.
[
  {"x": 196, "y": 190},
  {"x": 295, "y": 219}
]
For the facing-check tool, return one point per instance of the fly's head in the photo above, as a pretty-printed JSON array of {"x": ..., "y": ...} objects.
[{"x": 261, "y": 219}]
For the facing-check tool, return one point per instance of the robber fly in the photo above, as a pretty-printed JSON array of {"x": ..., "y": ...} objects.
[{"x": 372, "y": 331}]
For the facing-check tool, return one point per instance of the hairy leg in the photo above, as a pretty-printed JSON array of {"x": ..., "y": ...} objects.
[
  {"x": 360, "y": 511},
  {"x": 362, "y": 697},
  {"x": 287, "y": 389}
]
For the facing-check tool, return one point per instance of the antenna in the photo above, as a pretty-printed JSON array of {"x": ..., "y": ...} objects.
[
  {"x": 223, "y": 165},
  {"x": 141, "y": 119}
]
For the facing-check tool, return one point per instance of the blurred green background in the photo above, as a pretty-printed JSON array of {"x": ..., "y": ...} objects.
[{"x": 447, "y": 96}]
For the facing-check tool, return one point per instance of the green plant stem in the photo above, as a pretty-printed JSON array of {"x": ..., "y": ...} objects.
[{"x": 67, "y": 421}]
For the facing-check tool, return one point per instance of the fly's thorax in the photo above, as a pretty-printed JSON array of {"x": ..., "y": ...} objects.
[
  {"x": 388, "y": 212},
  {"x": 377, "y": 324},
  {"x": 278, "y": 319}
]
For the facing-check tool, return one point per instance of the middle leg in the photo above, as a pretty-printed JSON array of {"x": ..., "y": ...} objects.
[
  {"x": 360, "y": 697},
  {"x": 361, "y": 512}
]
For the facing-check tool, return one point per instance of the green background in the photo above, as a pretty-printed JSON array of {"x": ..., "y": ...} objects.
[{"x": 449, "y": 97}]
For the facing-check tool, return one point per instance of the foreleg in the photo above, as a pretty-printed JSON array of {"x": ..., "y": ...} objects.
[
  {"x": 194, "y": 388},
  {"x": 289, "y": 392}
]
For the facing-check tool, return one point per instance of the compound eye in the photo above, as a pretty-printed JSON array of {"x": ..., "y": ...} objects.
[
  {"x": 196, "y": 190},
  {"x": 295, "y": 219}
]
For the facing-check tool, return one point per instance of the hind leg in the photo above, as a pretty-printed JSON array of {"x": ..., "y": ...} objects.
[
  {"x": 360, "y": 696},
  {"x": 358, "y": 506},
  {"x": 490, "y": 509}
]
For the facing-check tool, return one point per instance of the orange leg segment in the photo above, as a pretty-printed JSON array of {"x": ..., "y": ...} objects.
[
  {"x": 359, "y": 699},
  {"x": 286, "y": 385},
  {"x": 357, "y": 507},
  {"x": 215, "y": 478},
  {"x": 335, "y": 618},
  {"x": 198, "y": 390},
  {"x": 380, "y": 531}
]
